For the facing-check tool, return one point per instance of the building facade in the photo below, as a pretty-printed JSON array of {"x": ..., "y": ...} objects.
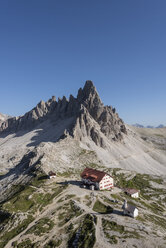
[
  {"x": 99, "y": 179},
  {"x": 106, "y": 182},
  {"x": 132, "y": 192},
  {"x": 129, "y": 210}
]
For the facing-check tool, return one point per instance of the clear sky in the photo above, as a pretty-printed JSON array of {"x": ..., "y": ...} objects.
[{"x": 51, "y": 47}]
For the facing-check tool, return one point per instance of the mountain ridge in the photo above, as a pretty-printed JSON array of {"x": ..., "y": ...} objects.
[
  {"x": 58, "y": 132},
  {"x": 148, "y": 126},
  {"x": 87, "y": 101}
]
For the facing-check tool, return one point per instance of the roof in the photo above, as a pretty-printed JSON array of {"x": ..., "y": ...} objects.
[
  {"x": 130, "y": 208},
  {"x": 93, "y": 175},
  {"x": 131, "y": 191},
  {"x": 51, "y": 173}
]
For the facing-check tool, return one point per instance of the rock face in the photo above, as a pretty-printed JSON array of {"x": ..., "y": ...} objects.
[
  {"x": 88, "y": 113},
  {"x": 3, "y": 117}
]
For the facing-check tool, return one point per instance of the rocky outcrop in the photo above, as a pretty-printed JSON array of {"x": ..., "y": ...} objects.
[
  {"x": 20, "y": 175},
  {"x": 3, "y": 117},
  {"x": 90, "y": 116},
  {"x": 106, "y": 117}
]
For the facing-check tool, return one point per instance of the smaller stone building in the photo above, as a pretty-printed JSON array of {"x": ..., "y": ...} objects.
[
  {"x": 132, "y": 192},
  {"x": 51, "y": 174},
  {"x": 129, "y": 209}
]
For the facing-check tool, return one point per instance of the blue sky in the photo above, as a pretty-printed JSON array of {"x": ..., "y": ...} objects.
[{"x": 52, "y": 47}]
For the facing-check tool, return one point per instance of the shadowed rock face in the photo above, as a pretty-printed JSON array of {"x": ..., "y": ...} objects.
[{"x": 90, "y": 115}]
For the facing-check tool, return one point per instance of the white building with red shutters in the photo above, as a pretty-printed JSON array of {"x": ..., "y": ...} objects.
[
  {"x": 101, "y": 180},
  {"x": 107, "y": 182}
]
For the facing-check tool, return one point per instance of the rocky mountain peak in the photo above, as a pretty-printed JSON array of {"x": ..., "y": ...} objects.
[
  {"x": 86, "y": 109},
  {"x": 89, "y": 87},
  {"x": 41, "y": 105},
  {"x": 89, "y": 94},
  {"x": 89, "y": 97}
]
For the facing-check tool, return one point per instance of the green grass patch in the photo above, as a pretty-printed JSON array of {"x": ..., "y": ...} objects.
[
  {"x": 154, "y": 207},
  {"x": 68, "y": 212},
  {"x": 86, "y": 234},
  {"x": 112, "y": 225},
  {"x": 93, "y": 165},
  {"x": 85, "y": 152},
  {"x": 53, "y": 243},
  {"x": 159, "y": 135},
  {"x": 140, "y": 182},
  {"x": 25, "y": 244},
  {"x": 105, "y": 199},
  {"x": 42, "y": 200},
  {"x": 112, "y": 238},
  {"x": 88, "y": 200},
  {"x": 102, "y": 208},
  {"x": 39, "y": 179},
  {"x": 157, "y": 180},
  {"x": 20, "y": 201},
  {"x": 65, "y": 173},
  {"x": 70, "y": 228},
  {"x": 109, "y": 226},
  {"x": 117, "y": 197},
  {"x": 159, "y": 221},
  {"x": 114, "y": 171},
  {"x": 139, "y": 218},
  {"x": 67, "y": 197},
  {"x": 15, "y": 231},
  {"x": 29, "y": 200},
  {"x": 44, "y": 225}
]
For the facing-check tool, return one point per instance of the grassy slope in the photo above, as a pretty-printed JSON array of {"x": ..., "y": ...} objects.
[{"x": 75, "y": 215}]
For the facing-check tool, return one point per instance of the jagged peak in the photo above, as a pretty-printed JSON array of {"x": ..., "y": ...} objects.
[
  {"x": 87, "y": 103},
  {"x": 88, "y": 93},
  {"x": 41, "y": 103},
  {"x": 89, "y": 85},
  {"x": 71, "y": 98},
  {"x": 64, "y": 99},
  {"x": 53, "y": 98},
  {"x": 87, "y": 89}
]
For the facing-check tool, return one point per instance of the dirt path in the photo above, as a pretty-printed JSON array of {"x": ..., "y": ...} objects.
[{"x": 100, "y": 239}]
